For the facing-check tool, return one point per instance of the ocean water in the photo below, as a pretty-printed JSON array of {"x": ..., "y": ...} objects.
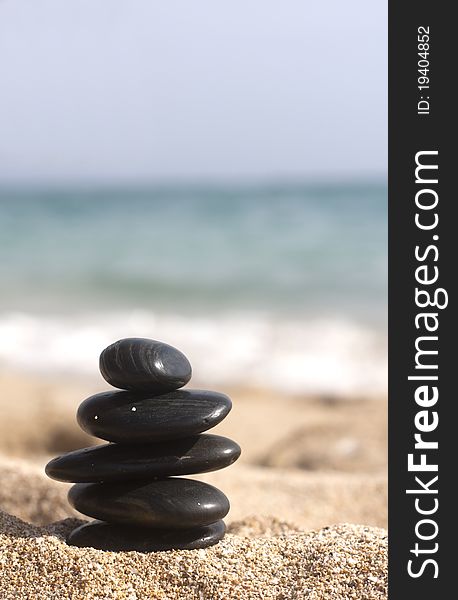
[{"x": 265, "y": 285}]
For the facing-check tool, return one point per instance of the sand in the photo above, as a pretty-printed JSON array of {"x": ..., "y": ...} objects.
[
  {"x": 341, "y": 562},
  {"x": 308, "y": 464}
]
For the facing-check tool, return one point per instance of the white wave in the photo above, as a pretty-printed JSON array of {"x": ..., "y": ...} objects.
[{"x": 295, "y": 356}]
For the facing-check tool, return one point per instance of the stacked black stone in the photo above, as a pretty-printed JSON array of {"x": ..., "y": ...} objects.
[{"x": 155, "y": 434}]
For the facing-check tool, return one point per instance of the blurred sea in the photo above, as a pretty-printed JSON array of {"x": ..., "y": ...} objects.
[{"x": 264, "y": 285}]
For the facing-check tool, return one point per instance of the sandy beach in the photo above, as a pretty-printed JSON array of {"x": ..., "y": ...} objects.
[
  {"x": 308, "y": 503},
  {"x": 166, "y": 174}
]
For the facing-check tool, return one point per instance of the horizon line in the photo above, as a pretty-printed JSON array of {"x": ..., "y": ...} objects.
[{"x": 200, "y": 182}]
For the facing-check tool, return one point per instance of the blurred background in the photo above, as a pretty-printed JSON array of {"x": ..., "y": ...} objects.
[{"x": 212, "y": 175}]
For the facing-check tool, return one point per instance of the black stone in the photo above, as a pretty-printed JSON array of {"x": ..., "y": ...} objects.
[
  {"x": 118, "y": 462},
  {"x": 125, "y": 538},
  {"x": 139, "y": 364},
  {"x": 138, "y": 418},
  {"x": 167, "y": 503}
]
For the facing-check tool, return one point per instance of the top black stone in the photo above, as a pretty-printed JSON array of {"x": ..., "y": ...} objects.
[{"x": 140, "y": 364}]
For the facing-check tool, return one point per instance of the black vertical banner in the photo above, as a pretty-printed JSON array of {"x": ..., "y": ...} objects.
[{"x": 423, "y": 250}]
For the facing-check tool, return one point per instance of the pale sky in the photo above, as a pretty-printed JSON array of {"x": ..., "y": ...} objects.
[{"x": 108, "y": 90}]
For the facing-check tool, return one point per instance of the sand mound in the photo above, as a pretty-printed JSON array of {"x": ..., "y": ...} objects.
[
  {"x": 38, "y": 416},
  {"x": 27, "y": 493},
  {"x": 253, "y": 561},
  {"x": 346, "y": 436}
]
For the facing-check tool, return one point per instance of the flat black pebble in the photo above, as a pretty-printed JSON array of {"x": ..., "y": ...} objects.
[
  {"x": 125, "y": 538},
  {"x": 140, "y": 364},
  {"x": 119, "y": 462},
  {"x": 168, "y": 503},
  {"x": 137, "y": 418}
]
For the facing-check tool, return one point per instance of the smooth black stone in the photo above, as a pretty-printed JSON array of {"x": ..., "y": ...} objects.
[
  {"x": 118, "y": 462},
  {"x": 135, "y": 418},
  {"x": 167, "y": 503},
  {"x": 125, "y": 538},
  {"x": 139, "y": 364}
]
